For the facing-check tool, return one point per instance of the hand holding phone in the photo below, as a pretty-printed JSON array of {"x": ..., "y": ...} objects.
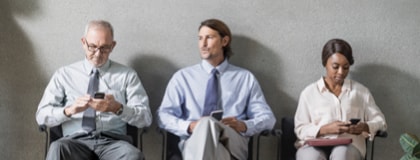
[{"x": 217, "y": 114}]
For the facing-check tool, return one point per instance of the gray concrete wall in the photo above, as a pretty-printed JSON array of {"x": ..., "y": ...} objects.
[{"x": 279, "y": 40}]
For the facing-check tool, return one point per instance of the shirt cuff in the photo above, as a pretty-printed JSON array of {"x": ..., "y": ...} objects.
[
  {"x": 59, "y": 114},
  {"x": 184, "y": 126},
  {"x": 249, "y": 128}
]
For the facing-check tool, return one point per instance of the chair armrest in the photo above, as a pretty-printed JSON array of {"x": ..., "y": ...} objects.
[
  {"x": 141, "y": 132},
  {"x": 42, "y": 128},
  {"x": 163, "y": 133},
  {"x": 264, "y": 133},
  {"x": 276, "y": 132},
  {"x": 382, "y": 134},
  {"x": 160, "y": 130}
]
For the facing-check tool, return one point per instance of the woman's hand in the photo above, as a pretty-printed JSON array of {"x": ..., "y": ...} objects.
[
  {"x": 358, "y": 128},
  {"x": 336, "y": 127}
]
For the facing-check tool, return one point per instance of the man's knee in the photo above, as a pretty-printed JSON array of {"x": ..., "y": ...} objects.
[
  {"x": 133, "y": 154},
  {"x": 206, "y": 120},
  {"x": 59, "y": 144},
  {"x": 65, "y": 149},
  {"x": 125, "y": 150},
  {"x": 203, "y": 125}
]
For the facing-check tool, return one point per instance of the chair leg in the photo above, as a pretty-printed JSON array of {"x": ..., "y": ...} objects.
[
  {"x": 258, "y": 147},
  {"x": 163, "y": 133},
  {"x": 371, "y": 151},
  {"x": 46, "y": 144},
  {"x": 43, "y": 128}
]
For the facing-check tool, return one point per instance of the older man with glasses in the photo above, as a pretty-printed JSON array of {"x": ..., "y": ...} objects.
[{"x": 95, "y": 127}]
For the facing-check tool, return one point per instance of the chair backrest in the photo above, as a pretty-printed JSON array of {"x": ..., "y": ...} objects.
[
  {"x": 288, "y": 139},
  {"x": 173, "y": 152}
]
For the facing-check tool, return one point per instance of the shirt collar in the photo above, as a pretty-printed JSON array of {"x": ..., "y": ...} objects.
[
  {"x": 208, "y": 67},
  {"x": 322, "y": 88},
  {"x": 89, "y": 67}
]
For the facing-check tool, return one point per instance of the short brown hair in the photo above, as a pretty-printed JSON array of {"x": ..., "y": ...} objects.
[
  {"x": 223, "y": 31},
  {"x": 337, "y": 46}
]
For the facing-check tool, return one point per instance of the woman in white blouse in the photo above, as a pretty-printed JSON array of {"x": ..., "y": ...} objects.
[{"x": 326, "y": 106}]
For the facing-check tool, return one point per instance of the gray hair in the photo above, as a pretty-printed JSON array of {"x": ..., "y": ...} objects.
[{"x": 99, "y": 24}]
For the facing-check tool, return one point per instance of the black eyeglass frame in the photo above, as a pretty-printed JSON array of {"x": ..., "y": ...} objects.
[{"x": 102, "y": 49}]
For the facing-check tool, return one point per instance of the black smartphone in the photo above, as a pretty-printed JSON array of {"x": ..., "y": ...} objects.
[
  {"x": 354, "y": 121},
  {"x": 99, "y": 95},
  {"x": 218, "y": 114}
]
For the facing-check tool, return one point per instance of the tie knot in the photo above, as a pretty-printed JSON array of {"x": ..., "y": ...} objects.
[
  {"x": 95, "y": 71},
  {"x": 214, "y": 71}
]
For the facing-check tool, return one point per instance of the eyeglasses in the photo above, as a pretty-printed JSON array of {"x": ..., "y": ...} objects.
[{"x": 102, "y": 49}]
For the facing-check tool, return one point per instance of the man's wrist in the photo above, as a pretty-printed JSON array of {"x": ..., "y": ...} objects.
[
  {"x": 66, "y": 113},
  {"x": 245, "y": 127},
  {"x": 119, "y": 110}
]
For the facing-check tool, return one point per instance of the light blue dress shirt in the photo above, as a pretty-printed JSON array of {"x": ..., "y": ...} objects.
[
  {"x": 240, "y": 96},
  {"x": 70, "y": 82}
]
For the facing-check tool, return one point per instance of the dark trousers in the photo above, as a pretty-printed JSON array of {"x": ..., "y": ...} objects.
[{"x": 93, "y": 147}]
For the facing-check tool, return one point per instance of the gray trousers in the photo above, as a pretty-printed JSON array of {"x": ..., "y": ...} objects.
[
  {"x": 84, "y": 147},
  {"x": 341, "y": 152},
  {"x": 212, "y": 140}
]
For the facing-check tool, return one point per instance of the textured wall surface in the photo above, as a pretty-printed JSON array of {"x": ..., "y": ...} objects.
[{"x": 279, "y": 40}]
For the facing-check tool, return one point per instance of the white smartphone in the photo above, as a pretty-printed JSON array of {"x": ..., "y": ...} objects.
[{"x": 217, "y": 114}]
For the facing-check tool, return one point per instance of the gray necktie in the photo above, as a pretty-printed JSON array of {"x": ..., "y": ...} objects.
[
  {"x": 89, "y": 122},
  {"x": 210, "y": 102}
]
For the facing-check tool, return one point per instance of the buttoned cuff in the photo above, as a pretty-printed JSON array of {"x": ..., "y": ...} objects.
[{"x": 58, "y": 112}]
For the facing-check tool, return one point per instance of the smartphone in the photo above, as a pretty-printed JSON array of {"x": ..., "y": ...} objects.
[
  {"x": 354, "y": 121},
  {"x": 99, "y": 95},
  {"x": 217, "y": 114}
]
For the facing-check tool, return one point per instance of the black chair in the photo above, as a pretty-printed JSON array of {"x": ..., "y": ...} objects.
[
  {"x": 170, "y": 150},
  {"x": 287, "y": 138},
  {"x": 54, "y": 133}
]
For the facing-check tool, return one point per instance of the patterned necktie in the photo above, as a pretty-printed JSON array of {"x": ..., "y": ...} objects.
[
  {"x": 89, "y": 122},
  {"x": 210, "y": 103}
]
